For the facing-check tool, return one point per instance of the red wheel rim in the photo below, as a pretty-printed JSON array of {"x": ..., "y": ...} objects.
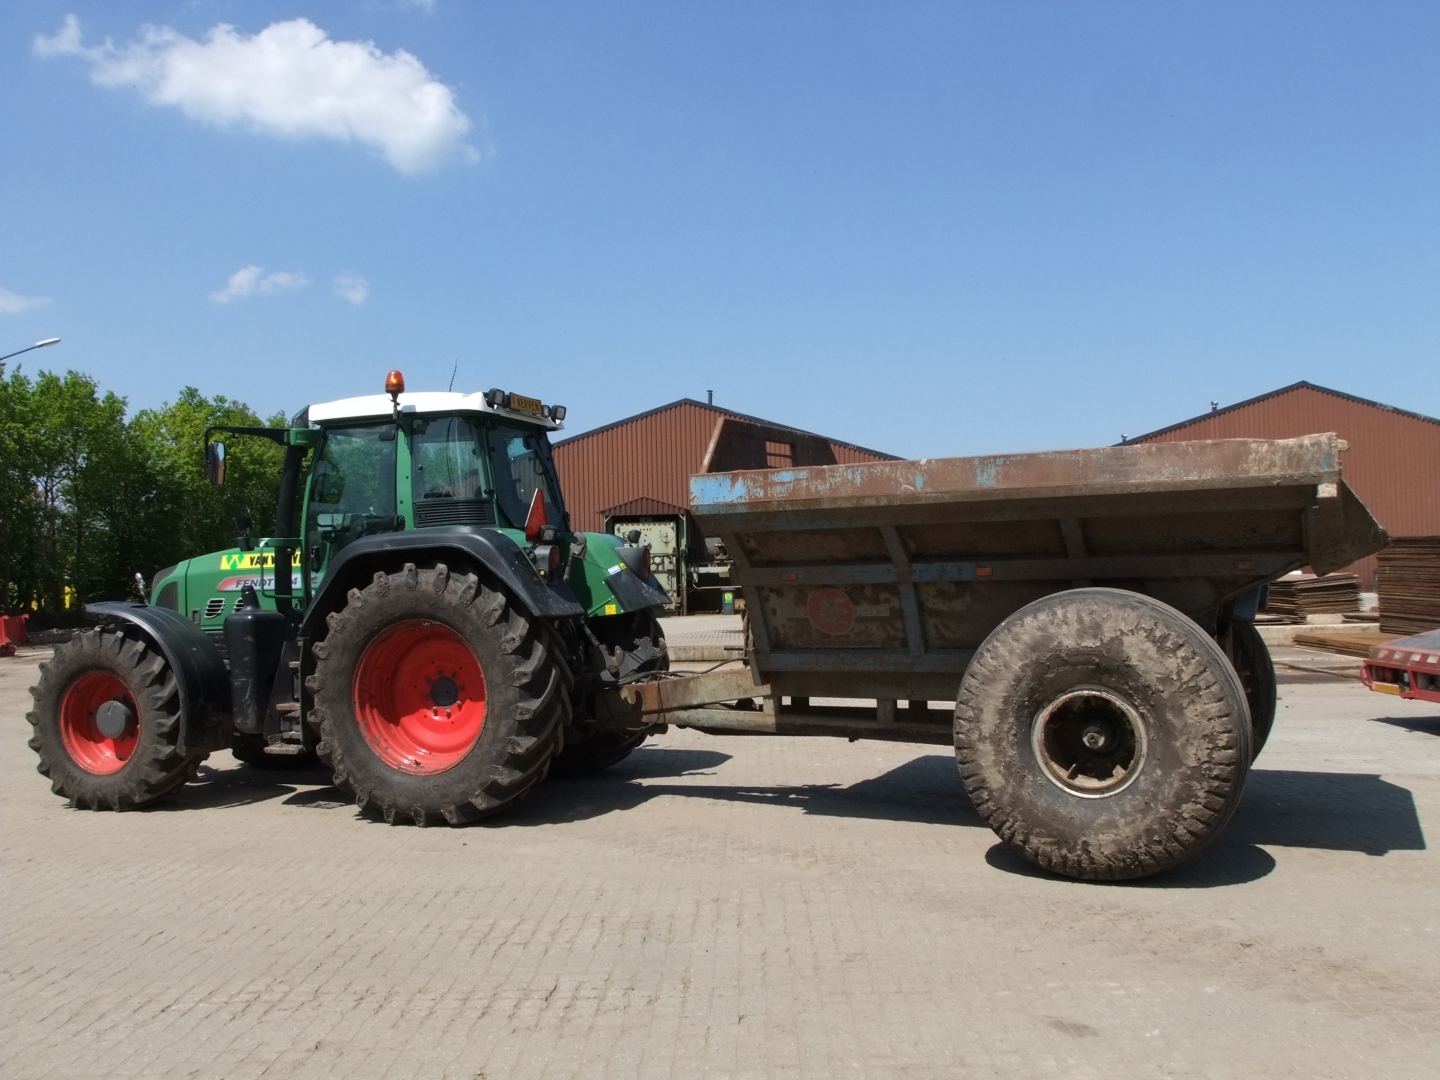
[
  {"x": 419, "y": 697},
  {"x": 87, "y": 746}
]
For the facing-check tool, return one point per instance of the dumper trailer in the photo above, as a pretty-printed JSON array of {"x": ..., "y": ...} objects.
[{"x": 1088, "y": 613}]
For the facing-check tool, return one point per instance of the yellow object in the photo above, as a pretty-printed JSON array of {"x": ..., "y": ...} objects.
[
  {"x": 1386, "y": 688},
  {"x": 612, "y": 609}
]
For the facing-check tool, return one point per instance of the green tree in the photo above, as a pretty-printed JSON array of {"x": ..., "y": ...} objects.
[
  {"x": 192, "y": 515},
  {"x": 88, "y": 500},
  {"x": 20, "y": 505}
]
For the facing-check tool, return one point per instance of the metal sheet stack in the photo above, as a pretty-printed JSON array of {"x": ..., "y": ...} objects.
[
  {"x": 1297, "y": 595},
  {"x": 1407, "y": 577}
]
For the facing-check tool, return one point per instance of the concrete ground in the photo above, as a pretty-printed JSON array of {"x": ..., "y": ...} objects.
[
  {"x": 704, "y": 638},
  {"x": 728, "y": 908}
]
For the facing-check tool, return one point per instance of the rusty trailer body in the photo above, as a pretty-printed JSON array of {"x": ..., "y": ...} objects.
[
  {"x": 1089, "y": 611},
  {"x": 881, "y": 581}
]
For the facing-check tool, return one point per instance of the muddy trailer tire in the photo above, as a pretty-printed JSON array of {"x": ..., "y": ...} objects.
[
  {"x": 106, "y": 723},
  {"x": 1102, "y": 734},
  {"x": 1257, "y": 675},
  {"x": 436, "y": 697},
  {"x": 593, "y": 754}
]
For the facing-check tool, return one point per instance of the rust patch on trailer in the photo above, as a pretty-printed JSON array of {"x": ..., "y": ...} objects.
[
  {"x": 831, "y": 611},
  {"x": 873, "y": 613}
]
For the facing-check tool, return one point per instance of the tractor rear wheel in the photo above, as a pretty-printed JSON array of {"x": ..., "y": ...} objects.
[
  {"x": 1102, "y": 734},
  {"x": 437, "y": 698},
  {"x": 107, "y": 722},
  {"x": 587, "y": 756}
]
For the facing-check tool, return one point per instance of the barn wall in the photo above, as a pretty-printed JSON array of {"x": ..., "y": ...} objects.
[
  {"x": 650, "y": 456},
  {"x": 1393, "y": 463}
]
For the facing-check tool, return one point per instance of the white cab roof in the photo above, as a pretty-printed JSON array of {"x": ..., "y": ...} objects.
[{"x": 377, "y": 406}]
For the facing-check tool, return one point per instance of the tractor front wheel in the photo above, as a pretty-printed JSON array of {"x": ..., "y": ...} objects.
[
  {"x": 107, "y": 723},
  {"x": 437, "y": 699}
]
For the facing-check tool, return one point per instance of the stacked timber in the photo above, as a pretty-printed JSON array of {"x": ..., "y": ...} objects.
[
  {"x": 1297, "y": 595},
  {"x": 1407, "y": 577}
]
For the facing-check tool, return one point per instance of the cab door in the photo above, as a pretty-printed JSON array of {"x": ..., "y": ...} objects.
[{"x": 351, "y": 492}]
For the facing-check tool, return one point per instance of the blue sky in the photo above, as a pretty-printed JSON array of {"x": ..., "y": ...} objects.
[{"x": 928, "y": 228}]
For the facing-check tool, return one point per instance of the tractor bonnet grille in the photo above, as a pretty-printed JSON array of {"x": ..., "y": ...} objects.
[
  {"x": 214, "y": 606},
  {"x": 434, "y": 512}
]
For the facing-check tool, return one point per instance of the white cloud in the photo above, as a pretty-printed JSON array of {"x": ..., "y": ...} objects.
[
  {"x": 248, "y": 281},
  {"x": 351, "y": 287},
  {"x": 13, "y": 303},
  {"x": 426, "y": 6},
  {"x": 290, "y": 80}
]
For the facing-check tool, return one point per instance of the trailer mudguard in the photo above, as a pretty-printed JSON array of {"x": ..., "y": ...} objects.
[
  {"x": 496, "y": 552},
  {"x": 198, "y": 666}
]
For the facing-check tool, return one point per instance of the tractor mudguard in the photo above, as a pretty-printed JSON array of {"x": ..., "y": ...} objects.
[
  {"x": 635, "y": 594},
  {"x": 356, "y": 564},
  {"x": 198, "y": 666}
]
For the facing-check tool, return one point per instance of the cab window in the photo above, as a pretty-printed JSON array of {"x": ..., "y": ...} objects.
[
  {"x": 352, "y": 489},
  {"x": 448, "y": 461},
  {"x": 520, "y": 461}
]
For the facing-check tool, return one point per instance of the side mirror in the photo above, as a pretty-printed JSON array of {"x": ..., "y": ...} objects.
[{"x": 215, "y": 462}]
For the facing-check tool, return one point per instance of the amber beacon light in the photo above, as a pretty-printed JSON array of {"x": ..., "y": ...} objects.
[{"x": 394, "y": 385}]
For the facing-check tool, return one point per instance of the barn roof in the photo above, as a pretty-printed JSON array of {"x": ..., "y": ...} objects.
[
  {"x": 644, "y": 507},
  {"x": 718, "y": 411},
  {"x": 1301, "y": 385}
]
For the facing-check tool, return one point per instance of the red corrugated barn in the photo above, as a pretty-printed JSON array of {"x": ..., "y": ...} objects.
[
  {"x": 1393, "y": 463},
  {"x": 653, "y": 455}
]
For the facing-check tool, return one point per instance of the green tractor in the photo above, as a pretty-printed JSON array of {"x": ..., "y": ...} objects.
[{"x": 439, "y": 639}]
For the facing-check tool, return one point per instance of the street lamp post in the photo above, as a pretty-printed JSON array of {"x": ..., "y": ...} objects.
[{"x": 37, "y": 345}]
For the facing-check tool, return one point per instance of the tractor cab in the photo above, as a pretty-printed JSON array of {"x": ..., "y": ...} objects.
[
  {"x": 427, "y": 461},
  {"x": 381, "y": 468}
]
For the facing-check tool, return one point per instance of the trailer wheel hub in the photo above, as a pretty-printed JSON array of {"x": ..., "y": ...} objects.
[
  {"x": 419, "y": 697},
  {"x": 1089, "y": 741}
]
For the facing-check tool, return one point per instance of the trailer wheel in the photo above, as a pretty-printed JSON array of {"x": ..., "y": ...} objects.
[
  {"x": 107, "y": 723},
  {"x": 436, "y": 698},
  {"x": 1257, "y": 676},
  {"x": 1102, "y": 734},
  {"x": 596, "y": 753}
]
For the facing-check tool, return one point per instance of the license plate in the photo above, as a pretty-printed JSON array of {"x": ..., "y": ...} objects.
[{"x": 525, "y": 404}]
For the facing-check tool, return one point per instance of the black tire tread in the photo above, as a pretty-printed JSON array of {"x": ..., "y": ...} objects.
[
  {"x": 1225, "y": 764},
  {"x": 1256, "y": 669}
]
